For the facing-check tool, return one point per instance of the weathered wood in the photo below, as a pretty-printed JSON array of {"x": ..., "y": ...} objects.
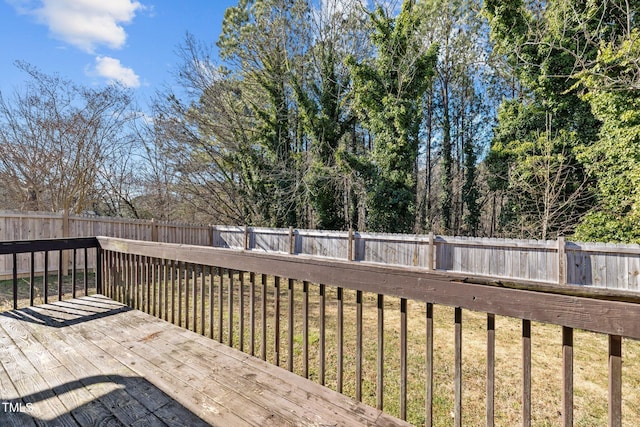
[
  {"x": 403, "y": 359},
  {"x": 359, "y": 346},
  {"x": 491, "y": 368},
  {"x": 230, "y": 308},
  {"x": 128, "y": 368},
  {"x": 567, "y": 377},
  {"x": 526, "y": 373},
  {"x": 276, "y": 320},
  {"x": 305, "y": 329},
  {"x": 46, "y": 245},
  {"x": 340, "y": 339},
  {"x": 429, "y": 366},
  {"x": 252, "y": 314},
  {"x": 380, "y": 357},
  {"x": 457, "y": 375},
  {"x": 241, "y": 310},
  {"x": 290, "y": 324},
  {"x": 263, "y": 340},
  {"x": 322, "y": 333},
  {"x": 615, "y": 381},
  {"x": 538, "y": 303}
]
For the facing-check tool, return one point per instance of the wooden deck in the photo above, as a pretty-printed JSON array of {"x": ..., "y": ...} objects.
[{"x": 92, "y": 361}]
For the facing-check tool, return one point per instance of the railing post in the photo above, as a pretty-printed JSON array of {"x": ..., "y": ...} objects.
[{"x": 99, "y": 287}]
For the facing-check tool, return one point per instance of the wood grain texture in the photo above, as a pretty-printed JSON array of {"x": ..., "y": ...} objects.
[
  {"x": 92, "y": 361},
  {"x": 573, "y": 307}
]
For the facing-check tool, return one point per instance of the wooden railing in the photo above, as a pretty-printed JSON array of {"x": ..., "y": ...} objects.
[
  {"x": 189, "y": 285},
  {"x": 47, "y": 256}
]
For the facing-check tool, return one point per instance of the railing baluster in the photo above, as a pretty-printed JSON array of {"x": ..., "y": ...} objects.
[
  {"x": 15, "y": 280},
  {"x": 194, "y": 294},
  {"x": 147, "y": 278},
  {"x": 403, "y": 359},
  {"x": 276, "y": 315},
  {"x": 359, "y": 346},
  {"x": 230, "y": 306},
  {"x": 220, "y": 303},
  {"x": 173, "y": 292},
  {"x": 252, "y": 313},
  {"x": 264, "y": 317},
  {"x": 567, "y": 376},
  {"x": 45, "y": 284},
  {"x": 98, "y": 270},
  {"x": 202, "y": 289},
  {"x": 429, "y": 368},
  {"x": 241, "y": 309},
  {"x": 380, "y": 357},
  {"x": 187, "y": 271},
  {"x": 130, "y": 267},
  {"x": 290, "y": 327},
  {"x": 86, "y": 272},
  {"x": 526, "y": 373},
  {"x": 211, "y": 301},
  {"x": 305, "y": 328},
  {"x": 73, "y": 275},
  {"x": 32, "y": 278},
  {"x": 615, "y": 381},
  {"x": 458, "y": 368},
  {"x": 491, "y": 368},
  {"x": 137, "y": 289},
  {"x": 60, "y": 279},
  {"x": 179, "y": 278},
  {"x": 165, "y": 279},
  {"x": 321, "y": 372},
  {"x": 154, "y": 284},
  {"x": 340, "y": 338}
]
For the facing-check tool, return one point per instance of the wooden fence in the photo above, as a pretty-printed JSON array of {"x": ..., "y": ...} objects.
[
  {"x": 613, "y": 266},
  {"x": 44, "y": 225}
]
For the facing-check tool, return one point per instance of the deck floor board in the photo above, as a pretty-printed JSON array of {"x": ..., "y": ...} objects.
[{"x": 93, "y": 361}]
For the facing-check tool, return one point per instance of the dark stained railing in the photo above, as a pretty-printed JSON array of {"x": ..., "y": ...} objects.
[
  {"x": 66, "y": 253},
  {"x": 179, "y": 282}
]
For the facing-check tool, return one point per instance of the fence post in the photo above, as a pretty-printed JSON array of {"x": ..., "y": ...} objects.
[
  {"x": 292, "y": 241},
  {"x": 430, "y": 253},
  {"x": 154, "y": 230},
  {"x": 246, "y": 237},
  {"x": 210, "y": 234},
  {"x": 350, "y": 256},
  {"x": 562, "y": 261}
]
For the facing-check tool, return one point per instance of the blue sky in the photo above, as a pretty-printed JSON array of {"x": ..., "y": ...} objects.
[{"x": 93, "y": 42}]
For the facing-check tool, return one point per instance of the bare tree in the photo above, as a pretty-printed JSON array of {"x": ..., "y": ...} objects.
[{"x": 62, "y": 145}]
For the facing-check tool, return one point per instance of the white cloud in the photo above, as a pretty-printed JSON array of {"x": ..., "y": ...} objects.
[
  {"x": 112, "y": 69},
  {"x": 84, "y": 23}
]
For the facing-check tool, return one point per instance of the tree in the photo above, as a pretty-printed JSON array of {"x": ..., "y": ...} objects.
[
  {"x": 614, "y": 159},
  {"x": 387, "y": 93},
  {"x": 536, "y": 39},
  {"x": 62, "y": 145},
  {"x": 259, "y": 44}
]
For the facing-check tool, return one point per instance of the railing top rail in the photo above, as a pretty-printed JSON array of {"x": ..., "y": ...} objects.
[
  {"x": 603, "y": 311},
  {"x": 24, "y": 246}
]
